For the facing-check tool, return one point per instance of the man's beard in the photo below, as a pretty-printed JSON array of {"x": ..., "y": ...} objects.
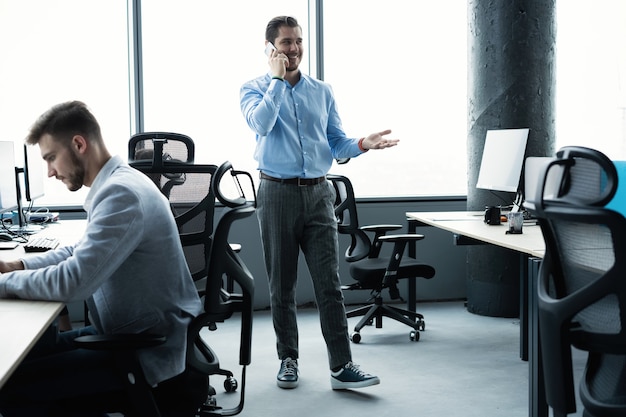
[{"x": 77, "y": 176}]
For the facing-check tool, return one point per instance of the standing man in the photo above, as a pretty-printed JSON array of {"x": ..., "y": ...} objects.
[
  {"x": 129, "y": 266},
  {"x": 298, "y": 133}
]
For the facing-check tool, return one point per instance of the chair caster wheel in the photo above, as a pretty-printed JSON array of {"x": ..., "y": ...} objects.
[
  {"x": 414, "y": 336},
  {"x": 421, "y": 325},
  {"x": 355, "y": 337},
  {"x": 230, "y": 384}
]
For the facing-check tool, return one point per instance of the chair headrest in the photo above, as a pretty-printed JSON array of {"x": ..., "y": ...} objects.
[
  {"x": 575, "y": 176},
  {"x": 176, "y": 146}
]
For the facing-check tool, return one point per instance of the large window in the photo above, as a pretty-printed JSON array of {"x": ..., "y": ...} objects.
[
  {"x": 591, "y": 75},
  {"x": 396, "y": 64},
  {"x": 54, "y": 51},
  {"x": 401, "y": 65},
  {"x": 197, "y": 54},
  {"x": 196, "y": 58}
]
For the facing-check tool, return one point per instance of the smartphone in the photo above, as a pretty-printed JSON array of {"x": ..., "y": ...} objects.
[{"x": 269, "y": 48}]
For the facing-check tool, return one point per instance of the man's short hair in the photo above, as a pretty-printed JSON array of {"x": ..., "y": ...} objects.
[
  {"x": 271, "y": 31},
  {"x": 65, "y": 120}
]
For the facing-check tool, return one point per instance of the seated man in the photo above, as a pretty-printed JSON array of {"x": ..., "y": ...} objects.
[{"x": 129, "y": 266}]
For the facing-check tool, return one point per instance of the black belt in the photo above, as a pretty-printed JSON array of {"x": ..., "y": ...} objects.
[{"x": 294, "y": 181}]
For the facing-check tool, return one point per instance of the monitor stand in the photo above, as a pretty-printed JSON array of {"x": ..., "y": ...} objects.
[{"x": 23, "y": 227}]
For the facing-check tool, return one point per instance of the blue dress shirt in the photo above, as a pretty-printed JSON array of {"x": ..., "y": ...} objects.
[{"x": 298, "y": 130}]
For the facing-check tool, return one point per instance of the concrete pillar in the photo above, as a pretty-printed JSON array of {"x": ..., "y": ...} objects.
[{"x": 511, "y": 84}]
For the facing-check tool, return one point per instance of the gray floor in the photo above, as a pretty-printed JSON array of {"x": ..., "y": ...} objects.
[{"x": 464, "y": 365}]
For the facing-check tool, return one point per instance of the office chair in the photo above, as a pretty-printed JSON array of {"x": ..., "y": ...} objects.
[
  {"x": 194, "y": 396},
  {"x": 372, "y": 271},
  {"x": 187, "y": 187},
  {"x": 189, "y": 190},
  {"x": 581, "y": 287},
  {"x": 226, "y": 270}
]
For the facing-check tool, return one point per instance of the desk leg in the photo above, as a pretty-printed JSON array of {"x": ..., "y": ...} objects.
[
  {"x": 537, "y": 406},
  {"x": 412, "y": 252},
  {"x": 523, "y": 306}
]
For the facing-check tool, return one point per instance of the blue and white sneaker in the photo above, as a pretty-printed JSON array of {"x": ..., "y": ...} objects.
[
  {"x": 288, "y": 373},
  {"x": 350, "y": 376}
]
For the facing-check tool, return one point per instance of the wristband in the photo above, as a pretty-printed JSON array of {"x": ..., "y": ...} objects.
[
  {"x": 361, "y": 145},
  {"x": 278, "y": 78}
]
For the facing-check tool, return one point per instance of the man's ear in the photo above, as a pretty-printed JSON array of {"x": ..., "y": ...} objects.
[{"x": 80, "y": 144}]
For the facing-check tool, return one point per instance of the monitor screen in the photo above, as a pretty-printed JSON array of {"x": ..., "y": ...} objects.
[
  {"x": 34, "y": 170},
  {"x": 503, "y": 156},
  {"x": 8, "y": 185}
]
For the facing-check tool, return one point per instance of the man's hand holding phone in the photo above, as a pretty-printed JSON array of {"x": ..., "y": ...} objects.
[
  {"x": 269, "y": 48},
  {"x": 277, "y": 60}
]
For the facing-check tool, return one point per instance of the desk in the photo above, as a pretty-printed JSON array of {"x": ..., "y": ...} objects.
[
  {"x": 24, "y": 321},
  {"x": 471, "y": 224},
  {"x": 67, "y": 231},
  {"x": 467, "y": 226}
]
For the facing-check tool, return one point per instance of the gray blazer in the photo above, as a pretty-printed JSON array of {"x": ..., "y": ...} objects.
[{"x": 129, "y": 266}]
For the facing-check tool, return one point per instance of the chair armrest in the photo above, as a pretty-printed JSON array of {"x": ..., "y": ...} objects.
[
  {"x": 380, "y": 228},
  {"x": 399, "y": 244},
  {"x": 119, "y": 341},
  {"x": 401, "y": 238}
]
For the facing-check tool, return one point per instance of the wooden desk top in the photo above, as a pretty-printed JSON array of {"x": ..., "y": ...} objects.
[
  {"x": 471, "y": 224},
  {"x": 22, "y": 322}
]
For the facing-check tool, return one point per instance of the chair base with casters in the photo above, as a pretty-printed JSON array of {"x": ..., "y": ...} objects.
[
  {"x": 374, "y": 313},
  {"x": 371, "y": 270}
]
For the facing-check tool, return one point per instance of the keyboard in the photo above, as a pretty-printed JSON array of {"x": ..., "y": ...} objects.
[{"x": 40, "y": 244}]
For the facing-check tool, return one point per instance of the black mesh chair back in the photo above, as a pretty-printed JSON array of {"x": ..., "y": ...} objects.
[
  {"x": 369, "y": 269},
  {"x": 582, "y": 290},
  {"x": 229, "y": 285},
  {"x": 348, "y": 219},
  {"x": 187, "y": 186}
]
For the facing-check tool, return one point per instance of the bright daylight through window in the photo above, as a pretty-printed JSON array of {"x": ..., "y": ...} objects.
[{"x": 408, "y": 74}]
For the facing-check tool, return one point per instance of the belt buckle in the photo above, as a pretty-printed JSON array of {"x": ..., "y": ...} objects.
[{"x": 301, "y": 183}]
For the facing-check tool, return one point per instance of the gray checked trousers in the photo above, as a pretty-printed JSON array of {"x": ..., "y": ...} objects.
[{"x": 294, "y": 218}]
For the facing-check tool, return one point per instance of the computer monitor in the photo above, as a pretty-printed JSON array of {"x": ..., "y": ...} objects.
[
  {"x": 534, "y": 168},
  {"x": 8, "y": 182},
  {"x": 34, "y": 173},
  {"x": 503, "y": 157}
]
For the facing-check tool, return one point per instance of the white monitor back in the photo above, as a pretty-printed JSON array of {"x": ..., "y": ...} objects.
[
  {"x": 8, "y": 187},
  {"x": 503, "y": 157},
  {"x": 533, "y": 177}
]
